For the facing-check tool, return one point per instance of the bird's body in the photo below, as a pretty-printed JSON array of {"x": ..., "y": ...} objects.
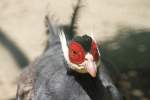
[
  {"x": 69, "y": 69},
  {"x": 49, "y": 80},
  {"x": 58, "y": 84}
]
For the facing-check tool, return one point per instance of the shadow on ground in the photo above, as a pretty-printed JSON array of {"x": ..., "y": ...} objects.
[
  {"x": 130, "y": 49},
  {"x": 14, "y": 50},
  {"x": 129, "y": 52}
]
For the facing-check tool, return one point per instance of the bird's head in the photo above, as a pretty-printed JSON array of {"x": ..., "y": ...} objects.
[{"x": 81, "y": 53}]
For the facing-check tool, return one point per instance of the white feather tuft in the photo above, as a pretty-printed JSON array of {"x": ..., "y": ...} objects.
[{"x": 64, "y": 45}]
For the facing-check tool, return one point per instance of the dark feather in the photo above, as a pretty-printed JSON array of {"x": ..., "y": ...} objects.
[{"x": 73, "y": 22}]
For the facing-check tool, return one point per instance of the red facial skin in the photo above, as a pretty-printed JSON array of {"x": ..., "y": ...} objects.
[
  {"x": 77, "y": 53},
  {"x": 94, "y": 51}
]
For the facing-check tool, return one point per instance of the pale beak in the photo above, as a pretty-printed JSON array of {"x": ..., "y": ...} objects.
[{"x": 90, "y": 65}]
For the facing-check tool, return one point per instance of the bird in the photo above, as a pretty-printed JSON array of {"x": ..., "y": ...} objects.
[{"x": 69, "y": 69}]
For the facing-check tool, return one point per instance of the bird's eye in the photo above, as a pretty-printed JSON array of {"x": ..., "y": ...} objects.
[
  {"x": 94, "y": 51},
  {"x": 76, "y": 53}
]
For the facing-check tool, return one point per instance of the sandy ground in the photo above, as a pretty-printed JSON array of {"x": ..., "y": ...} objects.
[{"x": 22, "y": 21}]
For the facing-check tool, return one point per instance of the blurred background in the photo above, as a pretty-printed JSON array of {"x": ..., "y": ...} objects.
[{"x": 122, "y": 29}]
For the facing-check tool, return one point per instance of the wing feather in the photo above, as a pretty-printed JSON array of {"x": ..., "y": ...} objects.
[{"x": 108, "y": 83}]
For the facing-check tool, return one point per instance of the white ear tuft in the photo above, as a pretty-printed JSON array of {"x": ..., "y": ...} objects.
[{"x": 64, "y": 45}]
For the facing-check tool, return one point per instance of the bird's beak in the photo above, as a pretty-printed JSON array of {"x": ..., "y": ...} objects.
[{"x": 91, "y": 67}]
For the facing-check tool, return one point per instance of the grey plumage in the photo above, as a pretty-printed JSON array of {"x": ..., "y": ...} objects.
[{"x": 48, "y": 78}]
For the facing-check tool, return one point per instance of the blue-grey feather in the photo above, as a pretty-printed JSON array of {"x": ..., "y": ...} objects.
[{"x": 53, "y": 82}]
